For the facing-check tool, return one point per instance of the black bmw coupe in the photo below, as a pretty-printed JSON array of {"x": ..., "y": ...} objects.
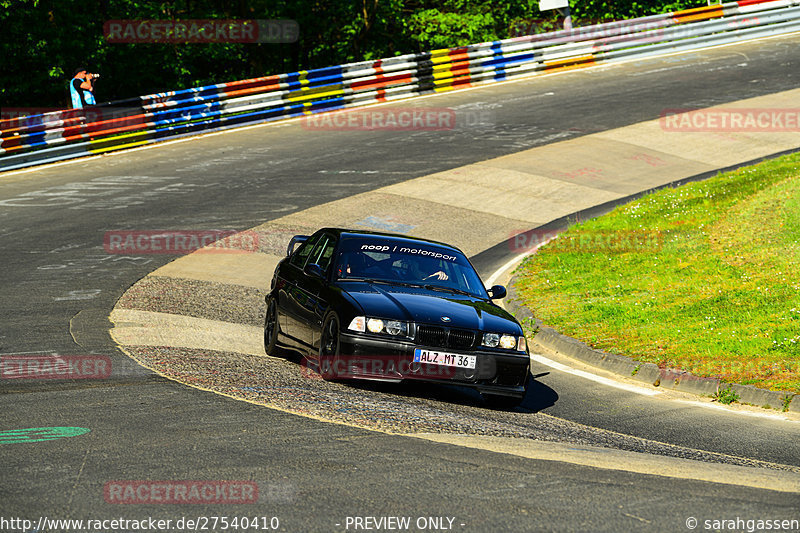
[{"x": 379, "y": 306}]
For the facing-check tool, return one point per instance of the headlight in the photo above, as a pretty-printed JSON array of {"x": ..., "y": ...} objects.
[
  {"x": 508, "y": 342},
  {"x": 491, "y": 340},
  {"x": 394, "y": 327},
  {"x": 376, "y": 325}
]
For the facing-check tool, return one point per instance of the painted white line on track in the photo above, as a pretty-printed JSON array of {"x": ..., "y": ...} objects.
[
  {"x": 494, "y": 277},
  {"x": 718, "y": 407},
  {"x": 649, "y": 392},
  {"x": 599, "y": 379},
  {"x": 491, "y": 280}
]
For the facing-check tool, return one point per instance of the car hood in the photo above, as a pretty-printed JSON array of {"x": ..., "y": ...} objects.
[{"x": 426, "y": 306}]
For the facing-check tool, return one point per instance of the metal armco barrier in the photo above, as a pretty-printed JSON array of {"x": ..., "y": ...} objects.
[{"x": 60, "y": 135}]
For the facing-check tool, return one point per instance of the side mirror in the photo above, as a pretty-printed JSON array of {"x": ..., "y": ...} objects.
[
  {"x": 497, "y": 292},
  {"x": 297, "y": 239},
  {"x": 314, "y": 270}
]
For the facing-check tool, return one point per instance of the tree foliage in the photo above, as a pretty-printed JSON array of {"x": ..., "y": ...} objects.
[{"x": 43, "y": 41}]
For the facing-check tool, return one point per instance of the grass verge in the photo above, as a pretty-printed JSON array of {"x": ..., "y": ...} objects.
[{"x": 704, "y": 277}]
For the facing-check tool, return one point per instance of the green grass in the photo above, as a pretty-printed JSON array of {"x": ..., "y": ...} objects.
[
  {"x": 703, "y": 277},
  {"x": 726, "y": 396}
]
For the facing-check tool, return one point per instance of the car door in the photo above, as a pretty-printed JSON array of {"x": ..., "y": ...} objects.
[
  {"x": 314, "y": 291},
  {"x": 291, "y": 295}
]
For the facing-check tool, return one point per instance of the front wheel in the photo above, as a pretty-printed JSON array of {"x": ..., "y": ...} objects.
[{"x": 329, "y": 348}]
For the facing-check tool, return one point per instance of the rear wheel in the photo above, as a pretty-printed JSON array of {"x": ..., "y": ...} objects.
[
  {"x": 272, "y": 329},
  {"x": 329, "y": 348}
]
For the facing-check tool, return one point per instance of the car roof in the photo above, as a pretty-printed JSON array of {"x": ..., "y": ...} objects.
[{"x": 351, "y": 233}]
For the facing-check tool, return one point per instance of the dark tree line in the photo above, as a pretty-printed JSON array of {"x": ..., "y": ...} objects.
[{"x": 43, "y": 41}]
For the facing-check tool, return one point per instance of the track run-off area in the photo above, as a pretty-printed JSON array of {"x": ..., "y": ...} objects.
[{"x": 578, "y": 454}]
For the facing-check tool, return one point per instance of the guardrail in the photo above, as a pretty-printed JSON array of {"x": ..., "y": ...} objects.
[{"x": 60, "y": 135}]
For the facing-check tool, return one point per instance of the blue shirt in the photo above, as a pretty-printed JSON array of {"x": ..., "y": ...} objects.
[{"x": 80, "y": 97}]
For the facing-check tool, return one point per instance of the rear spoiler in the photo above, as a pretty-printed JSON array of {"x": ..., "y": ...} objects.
[{"x": 297, "y": 239}]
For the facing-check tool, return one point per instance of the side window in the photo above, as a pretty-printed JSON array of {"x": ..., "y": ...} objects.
[
  {"x": 324, "y": 259},
  {"x": 300, "y": 255},
  {"x": 323, "y": 252}
]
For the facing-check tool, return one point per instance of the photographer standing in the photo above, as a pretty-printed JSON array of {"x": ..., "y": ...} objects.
[{"x": 80, "y": 88}]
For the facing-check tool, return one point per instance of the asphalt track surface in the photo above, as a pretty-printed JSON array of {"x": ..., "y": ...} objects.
[{"x": 59, "y": 286}]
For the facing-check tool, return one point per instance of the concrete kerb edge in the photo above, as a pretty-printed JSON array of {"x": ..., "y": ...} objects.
[
  {"x": 650, "y": 373},
  {"x": 794, "y": 405}
]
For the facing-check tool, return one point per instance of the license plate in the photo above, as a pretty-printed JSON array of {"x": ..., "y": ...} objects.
[{"x": 433, "y": 357}]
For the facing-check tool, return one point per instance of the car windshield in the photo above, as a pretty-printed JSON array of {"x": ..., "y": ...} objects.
[{"x": 407, "y": 263}]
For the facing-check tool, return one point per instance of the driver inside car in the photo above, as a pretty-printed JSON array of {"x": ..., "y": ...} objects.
[
  {"x": 422, "y": 265},
  {"x": 351, "y": 266},
  {"x": 359, "y": 265}
]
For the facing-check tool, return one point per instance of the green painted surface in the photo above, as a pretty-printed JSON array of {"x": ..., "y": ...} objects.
[{"x": 14, "y": 436}]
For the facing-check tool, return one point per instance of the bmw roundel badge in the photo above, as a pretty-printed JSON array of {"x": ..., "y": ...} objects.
[{"x": 445, "y": 319}]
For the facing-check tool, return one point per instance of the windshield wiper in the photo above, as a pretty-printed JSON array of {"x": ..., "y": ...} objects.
[
  {"x": 448, "y": 289},
  {"x": 384, "y": 281}
]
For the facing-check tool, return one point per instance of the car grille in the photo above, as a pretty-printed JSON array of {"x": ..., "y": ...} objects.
[{"x": 437, "y": 337}]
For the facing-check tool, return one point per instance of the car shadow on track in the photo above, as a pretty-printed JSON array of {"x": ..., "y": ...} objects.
[{"x": 538, "y": 397}]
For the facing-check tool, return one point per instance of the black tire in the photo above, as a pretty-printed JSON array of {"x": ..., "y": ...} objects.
[
  {"x": 329, "y": 348},
  {"x": 271, "y": 330}
]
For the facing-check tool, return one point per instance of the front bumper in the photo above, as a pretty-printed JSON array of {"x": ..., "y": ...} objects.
[{"x": 365, "y": 357}]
